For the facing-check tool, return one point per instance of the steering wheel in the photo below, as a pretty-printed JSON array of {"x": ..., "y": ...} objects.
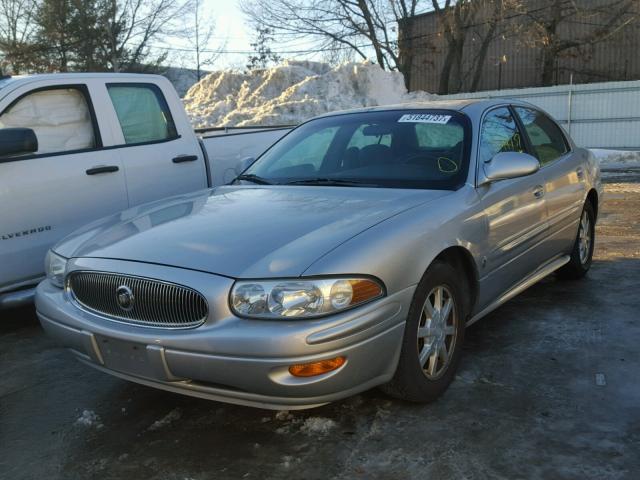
[
  {"x": 407, "y": 158},
  {"x": 443, "y": 163}
]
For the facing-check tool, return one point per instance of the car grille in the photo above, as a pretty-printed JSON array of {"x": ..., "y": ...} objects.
[{"x": 139, "y": 301}]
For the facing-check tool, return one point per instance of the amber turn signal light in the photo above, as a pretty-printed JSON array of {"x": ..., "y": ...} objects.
[{"x": 316, "y": 368}]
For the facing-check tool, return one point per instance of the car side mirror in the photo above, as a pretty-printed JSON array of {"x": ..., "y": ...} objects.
[
  {"x": 506, "y": 165},
  {"x": 17, "y": 141}
]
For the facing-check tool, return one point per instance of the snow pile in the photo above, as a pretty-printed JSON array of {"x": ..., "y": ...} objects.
[{"x": 292, "y": 92}]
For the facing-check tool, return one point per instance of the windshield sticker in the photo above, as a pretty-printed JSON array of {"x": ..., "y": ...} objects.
[{"x": 425, "y": 118}]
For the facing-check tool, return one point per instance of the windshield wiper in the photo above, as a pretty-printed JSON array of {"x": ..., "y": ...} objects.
[
  {"x": 332, "y": 182},
  {"x": 250, "y": 177}
]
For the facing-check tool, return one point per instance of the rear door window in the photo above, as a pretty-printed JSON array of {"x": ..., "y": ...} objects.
[
  {"x": 60, "y": 118},
  {"x": 545, "y": 136},
  {"x": 143, "y": 113},
  {"x": 499, "y": 133}
]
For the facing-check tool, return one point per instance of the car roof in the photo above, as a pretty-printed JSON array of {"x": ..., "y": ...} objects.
[{"x": 456, "y": 105}]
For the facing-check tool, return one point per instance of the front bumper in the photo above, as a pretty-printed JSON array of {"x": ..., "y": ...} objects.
[{"x": 228, "y": 358}]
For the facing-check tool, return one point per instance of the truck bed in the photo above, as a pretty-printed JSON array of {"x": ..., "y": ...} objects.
[{"x": 226, "y": 147}]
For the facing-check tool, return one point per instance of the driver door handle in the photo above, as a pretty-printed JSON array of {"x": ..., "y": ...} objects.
[
  {"x": 185, "y": 158},
  {"x": 538, "y": 191},
  {"x": 102, "y": 169}
]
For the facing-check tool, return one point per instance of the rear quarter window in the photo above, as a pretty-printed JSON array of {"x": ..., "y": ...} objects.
[{"x": 546, "y": 137}]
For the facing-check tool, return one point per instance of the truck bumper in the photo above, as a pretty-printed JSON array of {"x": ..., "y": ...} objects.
[{"x": 17, "y": 298}]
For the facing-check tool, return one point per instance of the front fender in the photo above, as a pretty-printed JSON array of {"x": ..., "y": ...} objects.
[{"x": 399, "y": 250}]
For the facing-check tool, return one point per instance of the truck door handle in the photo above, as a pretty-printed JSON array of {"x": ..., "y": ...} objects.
[
  {"x": 580, "y": 172},
  {"x": 185, "y": 158},
  {"x": 538, "y": 191},
  {"x": 105, "y": 169}
]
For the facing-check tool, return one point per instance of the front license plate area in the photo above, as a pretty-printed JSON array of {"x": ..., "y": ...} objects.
[{"x": 125, "y": 357}]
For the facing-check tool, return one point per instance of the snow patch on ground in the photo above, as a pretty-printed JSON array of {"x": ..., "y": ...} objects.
[
  {"x": 317, "y": 426},
  {"x": 89, "y": 419},
  {"x": 169, "y": 418},
  {"x": 309, "y": 426},
  {"x": 292, "y": 92},
  {"x": 617, "y": 159}
]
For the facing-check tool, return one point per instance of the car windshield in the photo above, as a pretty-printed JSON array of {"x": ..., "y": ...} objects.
[{"x": 396, "y": 149}]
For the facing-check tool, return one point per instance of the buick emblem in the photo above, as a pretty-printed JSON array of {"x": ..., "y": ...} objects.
[{"x": 125, "y": 298}]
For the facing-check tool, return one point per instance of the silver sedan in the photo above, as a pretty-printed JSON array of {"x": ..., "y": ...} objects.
[{"x": 352, "y": 254}]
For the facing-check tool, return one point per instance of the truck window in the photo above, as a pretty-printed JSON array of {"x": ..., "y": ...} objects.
[
  {"x": 143, "y": 112},
  {"x": 59, "y": 117}
]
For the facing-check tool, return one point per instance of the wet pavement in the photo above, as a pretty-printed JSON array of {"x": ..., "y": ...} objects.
[{"x": 548, "y": 388}]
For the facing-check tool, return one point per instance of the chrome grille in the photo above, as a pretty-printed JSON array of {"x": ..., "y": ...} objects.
[{"x": 154, "y": 303}]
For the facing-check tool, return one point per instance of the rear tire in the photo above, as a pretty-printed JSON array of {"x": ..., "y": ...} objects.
[
  {"x": 582, "y": 253},
  {"x": 433, "y": 336}
]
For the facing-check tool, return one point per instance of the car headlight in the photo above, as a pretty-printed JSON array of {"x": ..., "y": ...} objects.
[
  {"x": 301, "y": 298},
  {"x": 54, "y": 267}
]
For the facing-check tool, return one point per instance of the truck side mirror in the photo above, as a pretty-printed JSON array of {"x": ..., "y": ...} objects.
[
  {"x": 230, "y": 174},
  {"x": 17, "y": 141},
  {"x": 243, "y": 164}
]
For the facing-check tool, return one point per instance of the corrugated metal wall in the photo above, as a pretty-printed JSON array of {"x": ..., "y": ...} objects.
[{"x": 597, "y": 115}]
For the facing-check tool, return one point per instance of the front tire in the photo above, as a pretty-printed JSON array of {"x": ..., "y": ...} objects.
[
  {"x": 432, "y": 342},
  {"x": 582, "y": 253}
]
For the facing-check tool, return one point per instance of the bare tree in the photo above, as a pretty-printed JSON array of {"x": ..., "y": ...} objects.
[
  {"x": 364, "y": 26},
  {"x": 17, "y": 28},
  {"x": 483, "y": 20},
  {"x": 607, "y": 18},
  {"x": 129, "y": 28},
  {"x": 263, "y": 56},
  {"x": 198, "y": 30}
]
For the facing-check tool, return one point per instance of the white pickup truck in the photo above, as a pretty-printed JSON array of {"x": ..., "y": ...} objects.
[{"x": 76, "y": 147}]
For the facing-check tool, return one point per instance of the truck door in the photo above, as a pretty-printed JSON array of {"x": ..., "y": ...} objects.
[
  {"x": 68, "y": 181},
  {"x": 161, "y": 154}
]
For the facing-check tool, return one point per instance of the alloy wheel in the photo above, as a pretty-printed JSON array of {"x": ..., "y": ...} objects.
[
  {"x": 584, "y": 238},
  {"x": 437, "y": 332}
]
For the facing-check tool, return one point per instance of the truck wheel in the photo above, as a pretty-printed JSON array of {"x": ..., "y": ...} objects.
[
  {"x": 433, "y": 336},
  {"x": 582, "y": 253}
]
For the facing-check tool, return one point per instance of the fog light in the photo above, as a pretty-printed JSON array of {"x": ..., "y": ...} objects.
[{"x": 316, "y": 368}]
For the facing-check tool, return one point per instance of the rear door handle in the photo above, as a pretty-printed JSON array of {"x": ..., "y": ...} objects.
[
  {"x": 105, "y": 169},
  {"x": 185, "y": 158},
  {"x": 580, "y": 172},
  {"x": 538, "y": 191}
]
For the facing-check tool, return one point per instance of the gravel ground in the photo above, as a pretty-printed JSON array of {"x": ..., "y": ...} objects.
[{"x": 549, "y": 387}]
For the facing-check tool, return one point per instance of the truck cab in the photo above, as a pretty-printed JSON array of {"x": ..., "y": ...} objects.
[{"x": 77, "y": 147}]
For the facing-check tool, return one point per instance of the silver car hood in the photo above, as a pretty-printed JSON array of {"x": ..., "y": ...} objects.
[{"x": 241, "y": 231}]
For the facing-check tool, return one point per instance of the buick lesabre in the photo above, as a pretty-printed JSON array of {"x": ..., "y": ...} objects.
[{"x": 352, "y": 254}]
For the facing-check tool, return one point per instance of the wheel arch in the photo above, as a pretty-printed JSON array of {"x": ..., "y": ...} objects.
[
  {"x": 592, "y": 197},
  {"x": 462, "y": 260}
]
